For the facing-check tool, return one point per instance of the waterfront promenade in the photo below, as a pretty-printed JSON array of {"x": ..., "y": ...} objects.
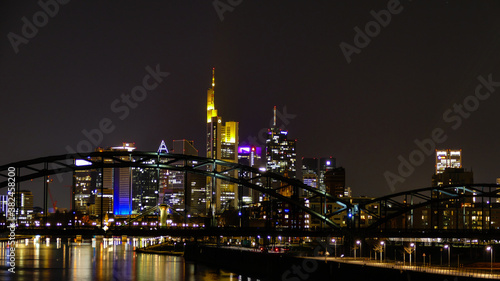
[{"x": 484, "y": 272}]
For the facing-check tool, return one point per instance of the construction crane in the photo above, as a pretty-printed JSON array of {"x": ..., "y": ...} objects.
[{"x": 54, "y": 203}]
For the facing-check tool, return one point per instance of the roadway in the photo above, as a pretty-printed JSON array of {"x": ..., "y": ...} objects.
[{"x": 448, "y": 271}]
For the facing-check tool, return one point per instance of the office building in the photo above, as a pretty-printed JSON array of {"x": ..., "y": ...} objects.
[
  {"x": 249, "y": 155},
  {"x": 145, "y": 188},
  {"x": 25, "y": 207},
  {"x": 280, "y": 151},
  {"x": 149, "y": 184},
  {"x": 314, "y": 169},
  {"x": 335, "y": 181},
  {"x": 448, "y": 158},
  {"x": 222, "y": 144},
  {"x": 451, "y": 176},
  {"x": 103, "y": 202},
  {"x": 85, "y": 184},
  {"x": 185, "y": 193},
  {"x": 449, "y": 171},
  {"x": 120, "y": 181},
  {"x": 4, "y": 200}
]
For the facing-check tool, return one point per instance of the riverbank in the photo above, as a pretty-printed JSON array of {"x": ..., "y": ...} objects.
[{"x": 278, "y": 266}]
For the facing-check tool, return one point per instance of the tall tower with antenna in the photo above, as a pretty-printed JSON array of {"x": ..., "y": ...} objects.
[
  {"x": 280, "y": 151},
  {"x": 222, "y": 144}
]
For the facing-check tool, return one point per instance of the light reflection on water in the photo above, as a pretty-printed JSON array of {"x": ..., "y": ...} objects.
[{"x": 61, "y": 259}]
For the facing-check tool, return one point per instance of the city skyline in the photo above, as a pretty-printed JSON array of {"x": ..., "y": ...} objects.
[{"x": 395, "y": 91}]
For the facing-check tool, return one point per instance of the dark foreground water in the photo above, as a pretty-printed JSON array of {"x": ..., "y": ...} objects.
[{"x": 110, "y": 260}]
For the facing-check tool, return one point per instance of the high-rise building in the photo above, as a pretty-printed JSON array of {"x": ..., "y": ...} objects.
[
  {"x": 185, "y": 147},
  {"x": 314, "y": 169},
  {"x": 118, "y": 191},
  {"x": 85, "y": 184},
  {"x": 110, "y": 188},
  {"x": 103, "y": 202},
  {"x": 4, "y": 200},
  {"x": 120, "y": 181},
  {"x": 451, "y": 176},
  {"x": 448, "y": 158},
  {"x": 250, "y": 155},
  {"x": 186, "y": 191},
  {"x": 145, "y": 188},
  {"x": 25, "y": 207},
  {"x": 148, "y": 184},
  {"x": 280, "y": 151},
  {"x": 449, "y": 168},
  {"x": 195, "y": 189},
  {"x": 449, "y": 171},
  {"x": 222, "y": 143},
  {"x": 335, "y": 181}
]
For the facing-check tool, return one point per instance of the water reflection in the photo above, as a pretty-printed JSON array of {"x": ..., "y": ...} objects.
[{"x": 101, "y": 259}]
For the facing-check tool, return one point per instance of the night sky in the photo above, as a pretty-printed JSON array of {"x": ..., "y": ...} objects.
[{"x": 365, "y": 113}]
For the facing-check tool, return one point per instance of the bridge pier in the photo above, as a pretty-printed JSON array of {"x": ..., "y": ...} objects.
[{"x": 163, "y": 215}]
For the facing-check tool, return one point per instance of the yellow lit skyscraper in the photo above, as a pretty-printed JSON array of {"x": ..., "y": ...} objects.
[{"x": 222, "y": 144}]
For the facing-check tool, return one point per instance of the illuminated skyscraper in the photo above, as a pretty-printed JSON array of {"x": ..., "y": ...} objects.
[
  {"x": 449, "y": 169},
  {"x": 448, "y": 158},
  {"x": 186, "y": 191},
  {"x": 280, "y": 151},
  {"x": 87, "y": 197},
  {"x": 26, "y": 207},
  {"x": 118, "y": 182},
  {"x": 314, "y": 169},
  {"x": 118, "y": 191},
  {"x": 222, "y": 143},
  {"x": 85, "y": 184},
  {"x": 250, "y": 156},
  {"x": 144, "y": 187}
]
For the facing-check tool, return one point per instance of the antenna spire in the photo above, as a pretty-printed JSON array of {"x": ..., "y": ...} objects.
[
  {"x": 213, "y": 78},
  {"x": 274, "y": 123}
]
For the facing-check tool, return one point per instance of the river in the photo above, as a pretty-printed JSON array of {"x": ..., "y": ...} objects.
[{"x": 61, "y": 259}]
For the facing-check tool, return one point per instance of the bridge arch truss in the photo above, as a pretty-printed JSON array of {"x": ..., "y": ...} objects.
[{"x": 221, "y": 170}]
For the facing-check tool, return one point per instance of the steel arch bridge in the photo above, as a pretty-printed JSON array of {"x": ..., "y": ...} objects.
[
  {"x": 390, "y": 208},
  {"x": 218, "y": 169},
  {"x": 432, "y": 202}
]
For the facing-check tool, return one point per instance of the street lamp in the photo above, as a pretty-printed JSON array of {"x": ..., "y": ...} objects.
[
  {"x": 360, "y": 253},
  {"x": 413, "y": 245},
  {"x": 335, "y": 241},
  {"x": 383, "y": 244},
  {"x": 355, "y": 247},
  {"x": 490, "y": 248},
  {"x": 448, "y": 247}
]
